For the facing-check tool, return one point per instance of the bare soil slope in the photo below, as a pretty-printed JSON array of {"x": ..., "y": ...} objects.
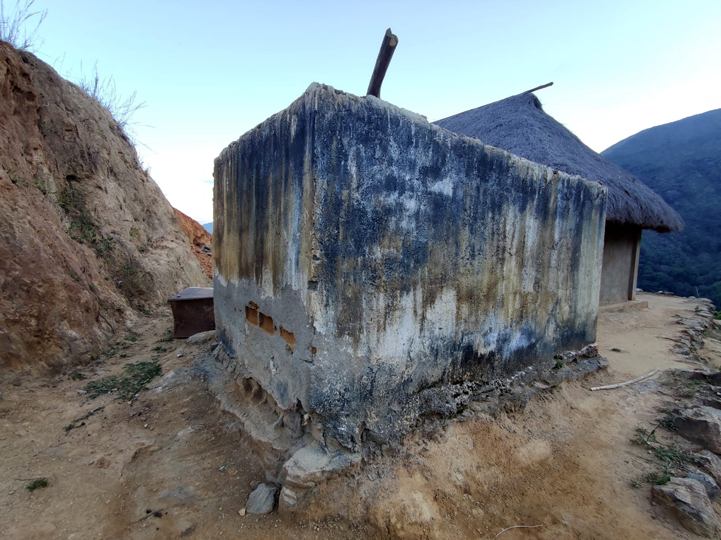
[
  {"x": 565, "y": 463},
  {"x": 201, "y": 241},
  {"x": 86, "y": 236}
]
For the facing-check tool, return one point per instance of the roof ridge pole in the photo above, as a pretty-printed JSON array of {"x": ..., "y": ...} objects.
[
  {"x": 388, "y": 47},
  {"x": 538, "y": 88}
]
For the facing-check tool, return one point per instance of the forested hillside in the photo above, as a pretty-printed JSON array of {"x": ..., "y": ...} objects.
[{"x": 680, "y": 161}]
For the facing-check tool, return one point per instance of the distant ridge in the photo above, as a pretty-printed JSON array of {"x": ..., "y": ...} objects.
[
  {"x": 209, "y": 227},
  {"x": 680, "y": 161}
]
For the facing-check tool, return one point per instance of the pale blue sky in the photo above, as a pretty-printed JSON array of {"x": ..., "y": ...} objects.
[{"x": 210, "y": 71}]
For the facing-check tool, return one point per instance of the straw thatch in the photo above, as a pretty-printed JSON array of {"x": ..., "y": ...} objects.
[{"x": 519, "y": 125}]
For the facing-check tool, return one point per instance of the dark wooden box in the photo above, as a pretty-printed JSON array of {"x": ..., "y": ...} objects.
[{"x": 192, "y": 311}]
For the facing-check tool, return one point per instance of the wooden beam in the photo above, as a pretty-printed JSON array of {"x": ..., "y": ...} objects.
[
  {"x": 538, "y": 88},
  {"x": 388, "y": 47}
]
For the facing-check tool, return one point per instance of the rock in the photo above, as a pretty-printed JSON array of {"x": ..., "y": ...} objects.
[
  {"x": 309, "y": 466},
  {"x": 241, "y": 512},
  {"x": 262, "y": 500},
  {"x": 701, "y": 425},
  {"x": 688, "y": 499},
  {"x": 710, "y": 463},
  {"x": 201, "y": 338},
  {"x": 714, "y": 403},
  {"x": 186, "y": 529},
  {"x": 709, "y": 484},
  {"x": 692, "y": 374}
]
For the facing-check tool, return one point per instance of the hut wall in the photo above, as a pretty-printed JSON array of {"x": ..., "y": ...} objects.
[
  {"x": 620, "y": 263},
  {"x": 364, "y": 258}
]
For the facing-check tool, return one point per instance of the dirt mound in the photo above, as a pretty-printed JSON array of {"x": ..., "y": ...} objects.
[
  {"x": 87, "y": 238},
  {"x": 201, "y": 241}
]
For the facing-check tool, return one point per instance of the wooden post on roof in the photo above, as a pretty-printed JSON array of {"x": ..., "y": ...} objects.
[
  {"x": 538, "y": 88},
  {"x": 388, "y": 47}
]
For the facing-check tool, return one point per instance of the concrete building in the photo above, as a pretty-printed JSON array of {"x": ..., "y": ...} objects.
[
  {"x": 370, "y": 267},
  {"x": 519, "y": 125}
]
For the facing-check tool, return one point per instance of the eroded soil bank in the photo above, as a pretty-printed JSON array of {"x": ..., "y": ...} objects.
[{"x": 565, "y": 462}]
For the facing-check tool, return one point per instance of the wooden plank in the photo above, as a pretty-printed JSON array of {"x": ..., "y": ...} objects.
[
  {"x": 538, "y": 88},
  {"x": 388, "y": 47}
]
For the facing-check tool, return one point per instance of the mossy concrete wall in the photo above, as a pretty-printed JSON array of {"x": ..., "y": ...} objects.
[{"x": 364, "y": 256}]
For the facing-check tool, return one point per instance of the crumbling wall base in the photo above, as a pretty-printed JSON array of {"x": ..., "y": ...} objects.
[{"x": 298, "y": 456}]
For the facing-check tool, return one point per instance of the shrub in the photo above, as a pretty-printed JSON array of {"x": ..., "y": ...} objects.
[
  {"x": 104, "y": 91},
  {"x": 13, "y": 24},
  {"x": 127, "y": 384},
  {"x": 37, "y": 484}
]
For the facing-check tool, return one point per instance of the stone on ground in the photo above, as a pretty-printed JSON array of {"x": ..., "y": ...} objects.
[
  {"x": 688, "y": 499},
  {"x": 701, "y": 425},
  {"x": 709, "y": 484},
  {"x": 710, "y": 463},
  {"x": 201, "y": 337},
  {"x": 262, "y": 500}
]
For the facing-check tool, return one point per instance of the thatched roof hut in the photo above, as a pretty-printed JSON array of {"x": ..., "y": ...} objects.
[{"x": 519, "y": 125}]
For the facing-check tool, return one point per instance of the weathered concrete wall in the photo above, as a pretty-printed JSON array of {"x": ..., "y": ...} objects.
[
  {"x": 620, "y": 263},
  {"x": 363, "y": 256}
]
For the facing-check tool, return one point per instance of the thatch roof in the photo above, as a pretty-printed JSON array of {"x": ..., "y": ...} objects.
[{"x": 519, "y": 125}]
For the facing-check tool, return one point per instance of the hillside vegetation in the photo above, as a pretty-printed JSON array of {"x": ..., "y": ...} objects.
[{"x": 680, "y": 161}]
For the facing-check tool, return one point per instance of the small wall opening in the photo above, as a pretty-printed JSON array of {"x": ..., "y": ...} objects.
[
  {"x": 288, "y": 337},
  {"x": 251, "y": 315},
  {"x": 265, "y": 323}
]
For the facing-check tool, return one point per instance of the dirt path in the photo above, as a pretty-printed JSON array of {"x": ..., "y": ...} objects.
[{"x": 565, "y": 462}]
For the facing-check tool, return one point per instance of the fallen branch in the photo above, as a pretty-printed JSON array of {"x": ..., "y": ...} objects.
[
  {"x": 517, "y": 527},
  {"x": 157, "y": 513},
  {"x": 632, "y": 381}
]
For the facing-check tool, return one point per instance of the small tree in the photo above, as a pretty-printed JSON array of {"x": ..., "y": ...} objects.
[{"x": 13, "y": 25}]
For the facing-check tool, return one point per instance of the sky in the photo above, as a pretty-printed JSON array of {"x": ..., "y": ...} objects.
[{"x": 210, "y": 71}]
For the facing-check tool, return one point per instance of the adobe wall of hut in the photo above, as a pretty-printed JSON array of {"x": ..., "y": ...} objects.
[
  {"x": 621, "y": 248},
  {"x": 365, "y": 259}
]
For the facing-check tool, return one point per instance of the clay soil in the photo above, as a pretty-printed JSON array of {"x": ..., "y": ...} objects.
[{"x": 170, "y": 464}]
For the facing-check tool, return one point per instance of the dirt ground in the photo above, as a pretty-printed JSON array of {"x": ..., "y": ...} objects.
[{"x": 169, "y": 464}]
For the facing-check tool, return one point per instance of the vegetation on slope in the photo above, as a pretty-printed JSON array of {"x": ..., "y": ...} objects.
[{"x": 680, "y": 161}]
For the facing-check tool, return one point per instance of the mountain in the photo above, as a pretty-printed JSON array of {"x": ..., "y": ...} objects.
[
  {"x": 88, "y": 242},
  {"x": 209, "y": 227},
  {"x": 680, "y": 161}
]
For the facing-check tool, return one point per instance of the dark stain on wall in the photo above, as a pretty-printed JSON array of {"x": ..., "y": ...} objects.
[{"x": 431, "y": 258}]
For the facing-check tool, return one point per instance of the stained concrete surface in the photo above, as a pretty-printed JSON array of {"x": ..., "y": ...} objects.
[{"x": 364, "y": 256}]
